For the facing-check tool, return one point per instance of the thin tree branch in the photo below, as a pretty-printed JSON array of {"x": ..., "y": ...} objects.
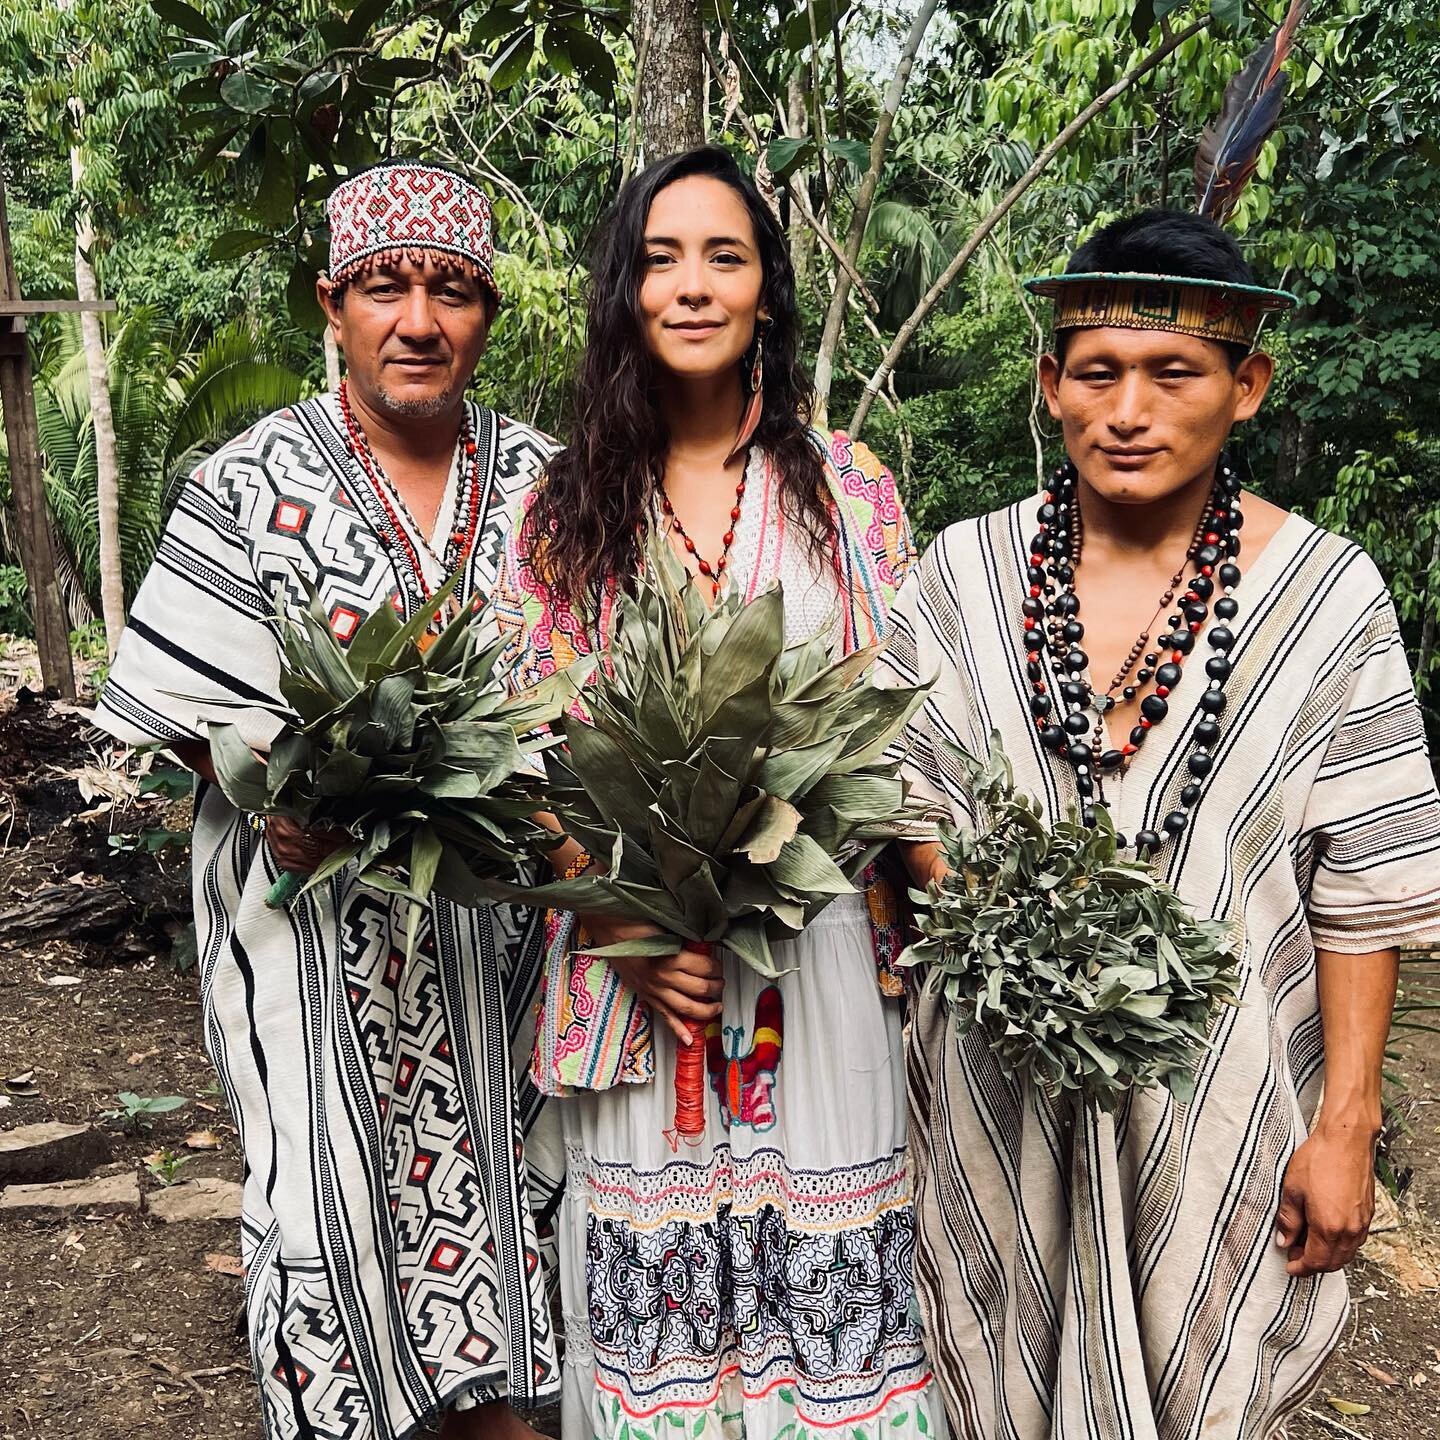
[
  {"x": 642, "y": 53},
  {"x": 1041, "y": 163},
  {"x": 802, "y": 202},
  {"x": 816, "y": 112},
  {"x": 864, "y": 200}
]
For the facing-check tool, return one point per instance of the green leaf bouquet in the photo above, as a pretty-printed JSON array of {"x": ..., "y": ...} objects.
[
  {"x": 1083, "y": 970},
  {"x": 406, "y": 742},
  {"x": 730, "y": 784}
]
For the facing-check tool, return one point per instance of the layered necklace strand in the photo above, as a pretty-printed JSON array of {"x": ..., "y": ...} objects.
[
  {"x": 714, "y": 573},
  {"x": 461, "y": 539},
  {"x": 1051, "y": 615}
]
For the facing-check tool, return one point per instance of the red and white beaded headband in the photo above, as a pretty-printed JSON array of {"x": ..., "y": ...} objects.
[{"x": 403, "y": 209}]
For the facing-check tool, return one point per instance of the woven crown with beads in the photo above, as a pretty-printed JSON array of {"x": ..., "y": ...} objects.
[{"x": 411, "y": 210}]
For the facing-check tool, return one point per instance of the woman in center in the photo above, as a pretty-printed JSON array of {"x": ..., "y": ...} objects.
[{"x": 756, "y": 1283}]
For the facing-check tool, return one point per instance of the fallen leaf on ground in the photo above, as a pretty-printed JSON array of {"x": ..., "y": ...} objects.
[
  {"x": 1419, "y": 1378},
  {"x": 202, "y": 1140},
  {"x": 62, "y": 979},
  {"x": 1381, "y": 1377},
  {"x": 1346, "y": 1407},
  {"x": 23, "y": 1084},
  {"x": 225, "y": 1264},
  {"x": 139, "y": 1057}
]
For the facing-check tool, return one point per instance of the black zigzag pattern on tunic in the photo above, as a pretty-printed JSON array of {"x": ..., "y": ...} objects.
[{"x": 392, "y": 1260}]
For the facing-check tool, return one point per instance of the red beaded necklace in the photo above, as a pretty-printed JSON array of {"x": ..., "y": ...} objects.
[
  {"x": 714, "y": 573},
  {"x": 467, "y": 521}
]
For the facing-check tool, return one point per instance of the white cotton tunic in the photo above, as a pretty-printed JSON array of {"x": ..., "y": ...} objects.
[
  {"x": 1118, "y": 1276},
  {"x": 756, "y": 1284},
  {"x": 392, "y": 1265}
]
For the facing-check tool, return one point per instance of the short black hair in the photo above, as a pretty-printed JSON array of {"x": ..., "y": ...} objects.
[{"x": 1163, "y": 242}]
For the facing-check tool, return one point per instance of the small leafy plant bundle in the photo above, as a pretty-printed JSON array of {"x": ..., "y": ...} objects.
[
  {"x": 730, "y": 784},
  {"x": 408, "y": 744},
  {"x": 1084, "y": 971}
]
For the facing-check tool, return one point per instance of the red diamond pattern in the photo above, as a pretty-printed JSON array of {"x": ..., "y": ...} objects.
[
  {"x": 289, "y": 516},
  {"x": 445, "y": 1257},
  {"x": 344, "y": 622}
]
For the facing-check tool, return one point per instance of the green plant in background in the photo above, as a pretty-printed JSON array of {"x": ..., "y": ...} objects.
[
  {"x": 149, "y": 842},
  {"x": 14, "y": 602},
  {"x": 1395, "y": 516},
  {"x": 136, "y": 1113},
  {"x": 1083, "y": 971},
  {"x": 166, "y": 1165}
]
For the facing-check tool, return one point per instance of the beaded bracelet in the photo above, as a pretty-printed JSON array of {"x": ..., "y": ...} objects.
[{"x": 578, "y": 866}]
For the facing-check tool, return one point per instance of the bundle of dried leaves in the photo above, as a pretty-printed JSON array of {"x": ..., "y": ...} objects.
[
  {"x": 730, "y": 784},
  {"x": 1084, "y": 971},
  {"x": 407, "y": 743}
]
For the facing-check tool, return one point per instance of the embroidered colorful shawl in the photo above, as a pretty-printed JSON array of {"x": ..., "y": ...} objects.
[{"x": 592, "y": 1032}]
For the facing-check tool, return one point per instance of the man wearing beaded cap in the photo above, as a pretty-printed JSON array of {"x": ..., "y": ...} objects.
[
  {"x": 393, "y": 1273},
  {"x": 1171, "y": 1270}
]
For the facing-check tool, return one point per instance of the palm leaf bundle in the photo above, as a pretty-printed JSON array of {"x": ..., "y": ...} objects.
[
  {"x": 1084, "y": 972},
  {"x": 406, "y": 742},
  {"x": 731, "y": 785}
]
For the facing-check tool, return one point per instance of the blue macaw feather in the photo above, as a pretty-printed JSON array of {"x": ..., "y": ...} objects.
[{"x": 1230, "y": 145}]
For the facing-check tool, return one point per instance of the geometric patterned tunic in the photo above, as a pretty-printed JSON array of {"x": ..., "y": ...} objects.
[
  {"x": 392, "y": 1267},
  {"x": 1116, "y": 1275}
]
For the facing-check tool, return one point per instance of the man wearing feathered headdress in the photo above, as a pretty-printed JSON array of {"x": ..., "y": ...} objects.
[{"x": 393, "y": 1272}]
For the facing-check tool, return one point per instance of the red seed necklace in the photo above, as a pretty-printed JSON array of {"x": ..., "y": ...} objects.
[
  {"x": 714, "y": 573},
  {"x": 467, "y": 519}
]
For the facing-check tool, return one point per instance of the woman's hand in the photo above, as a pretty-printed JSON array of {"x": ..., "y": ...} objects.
[
  {"x": 298, "y": 850},
  {"x": 682, "y": 988}
]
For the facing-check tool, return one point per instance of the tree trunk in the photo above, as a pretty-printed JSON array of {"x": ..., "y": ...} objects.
[
  {"x": 107, "y": 468},
  {"x": 1424, "y": 659},
  {"x": 802, "y": 237},
  {"x": 34, "y": 539},
  {"x": 672, "y": 82},
  {"x": 1283, "y": 483}
]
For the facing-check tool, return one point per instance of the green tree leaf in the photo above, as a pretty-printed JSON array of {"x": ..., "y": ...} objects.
[{"x": 787, "y": 152}]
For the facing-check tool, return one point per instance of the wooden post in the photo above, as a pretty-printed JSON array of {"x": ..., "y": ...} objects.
[{"x": 27, "y": 485}]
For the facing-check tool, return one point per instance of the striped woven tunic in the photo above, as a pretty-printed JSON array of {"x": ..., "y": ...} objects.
[{"x": 1117, "y": 1276}]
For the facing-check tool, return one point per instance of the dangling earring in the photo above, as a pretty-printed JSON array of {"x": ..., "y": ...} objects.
[{"x": 750, "y": 422}]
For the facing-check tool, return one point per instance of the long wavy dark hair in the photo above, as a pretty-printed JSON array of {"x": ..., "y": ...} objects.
[{"x": 594, "y": 503}]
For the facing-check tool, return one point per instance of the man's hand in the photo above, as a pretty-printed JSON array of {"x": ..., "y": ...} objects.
[
  {"x": 1327, "y": 1199},
  {"x": 681, "y": 988},
  {"x": 925, "y": 860},
  {"x": 298, "y": 850}
]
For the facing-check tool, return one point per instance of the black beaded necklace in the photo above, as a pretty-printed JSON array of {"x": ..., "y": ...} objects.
[{"x": 1051, "y": 614}]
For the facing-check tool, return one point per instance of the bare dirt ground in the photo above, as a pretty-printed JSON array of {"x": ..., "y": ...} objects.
[{"x": 120, "y": 1326}]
